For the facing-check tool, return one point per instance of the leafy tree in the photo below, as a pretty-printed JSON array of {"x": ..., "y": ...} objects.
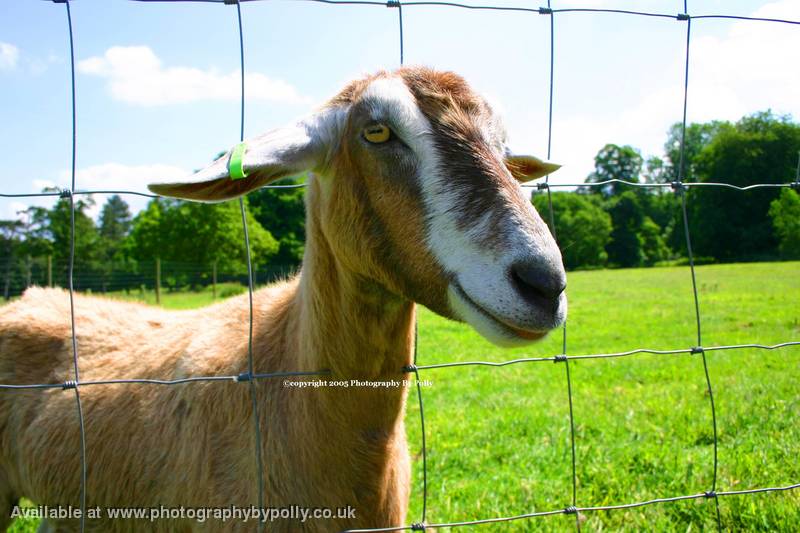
[
  {"x": 785, "y": 214},
  {"x": 664, "y": 209},
  {"x": 636, "y": 237},
  {"x": 115, "y": 225},
  {"x": 582, "y": 227},
  {"x": 654, "y": 245},
  {"x": 148, "y": 238},
  {"x": 10, "y": 233},
  {"x": 735, "y": 225},
  {"x": 86, "y": 236},
  {"x": 626, "y": 248},
  {"x": 656, "y": 170},
  {"x": 115, "y": 219},
  {"x": 201, "y": 234},
  {"x": 614, "y": 162},
  {"x": 698, "y": 136},
  {"x": 35, "y": 225},
  {"x": 208, "y": 233},
  {"x": 36, "y": 239},
  {"x": 282, "y": 213}
]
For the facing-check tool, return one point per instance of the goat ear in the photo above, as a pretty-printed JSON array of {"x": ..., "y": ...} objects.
[
  {"x": 274, "y": 155},
  {"x": 526, "y": 167}
]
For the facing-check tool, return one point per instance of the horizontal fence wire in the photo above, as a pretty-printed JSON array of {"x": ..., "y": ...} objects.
[
  {"x": 246, "y": 376},
  {"x": 572, "y": 510},
  {"x": 541, "y": 185},
  {"x": 65, "y": 193},
  {"x": 679, "y": 187},
  {"x": 414, "y": 367},
  {"x": 540, "y": 10}
]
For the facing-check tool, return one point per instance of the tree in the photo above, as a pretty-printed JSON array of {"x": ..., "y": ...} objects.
[
  {"x": 785, "y": 214},
  {"x": 614, "y": 162},
  {"x": 36, "y": 240},
  {"x": 582, "y": 227},
  {"x": 86, "y": 236},
  {"x": 656, "y": 170},
  {"x": 115, "y": 219},
  {"x": 200, "y": 234},
  {"x": 148, "y": 239},
  {"x": 10, "y": 231},
  {"x": 734, "y": 225},
  {"x": 219, "y": 228},
  {"x": 626, "y": 248},
  {"x": 115, "y": 225},
  {"x": 654, "y": 244},
  {"x": 664, "y": 209},
  {"x": 637, "y": 238},
  {"x": 282, "y": 213},
  {"x": 698, "y": 136}
]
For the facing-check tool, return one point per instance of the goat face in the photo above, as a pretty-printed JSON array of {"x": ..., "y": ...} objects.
[{"x": 413, "y": 188}]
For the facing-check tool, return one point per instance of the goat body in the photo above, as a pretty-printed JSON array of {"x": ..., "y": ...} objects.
[
  {"x": 413, "y": 196},
  {"x": 192, "y": 445}
]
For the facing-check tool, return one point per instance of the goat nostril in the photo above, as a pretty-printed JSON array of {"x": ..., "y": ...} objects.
[{"x": 537, "y": 281}]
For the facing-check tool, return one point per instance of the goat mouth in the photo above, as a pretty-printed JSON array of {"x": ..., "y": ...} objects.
[{"x": 502, "y": 325}]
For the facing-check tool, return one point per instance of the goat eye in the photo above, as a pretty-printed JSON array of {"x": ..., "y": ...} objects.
[{"x": 377, "y": 133}]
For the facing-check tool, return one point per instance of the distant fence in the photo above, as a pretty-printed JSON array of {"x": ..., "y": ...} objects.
[
  {"x": 17, "y": 274},
  {"x": 679, "y": 186}
]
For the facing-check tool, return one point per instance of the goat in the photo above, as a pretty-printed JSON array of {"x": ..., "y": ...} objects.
[{"x": 413, "y": 197}]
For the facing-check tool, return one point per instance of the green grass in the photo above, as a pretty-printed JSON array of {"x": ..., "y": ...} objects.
[
  {"x": 498, "y": 439},
  {"x": 181, "y": 299}
]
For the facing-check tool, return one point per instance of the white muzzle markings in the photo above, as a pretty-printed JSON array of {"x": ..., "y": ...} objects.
[{"x": 482, "y": 291}]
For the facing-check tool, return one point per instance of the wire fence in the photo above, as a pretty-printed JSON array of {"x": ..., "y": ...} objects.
[
  {"x": 129, "y": 279},
  {"x": 679, "y": 186}
]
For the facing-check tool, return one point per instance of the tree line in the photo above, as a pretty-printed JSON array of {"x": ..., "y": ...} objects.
[
  {"x": 183, "y": 244},
  {"x": 619, "y": 225},
  {"x": 608, "y": 225}
]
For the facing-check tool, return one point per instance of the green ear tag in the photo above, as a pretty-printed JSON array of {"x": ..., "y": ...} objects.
[{"x": 236, "y": 164}]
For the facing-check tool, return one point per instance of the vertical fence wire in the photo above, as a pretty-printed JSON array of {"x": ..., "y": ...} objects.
[
  {"x": 681, "y": 191},
  {"x": 796, "y": 183},
  {"x": 400, "y": 24},
  {"x": 422, "y": 430},
  {"x": 70, "y": 275},
  {"x": 421, "y": 524},
  {"x": 250, "y": 363},
  {"x": 574, "y": 499}
]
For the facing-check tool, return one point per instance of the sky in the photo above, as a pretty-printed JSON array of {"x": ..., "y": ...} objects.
[{"x": 158, "y": 82}]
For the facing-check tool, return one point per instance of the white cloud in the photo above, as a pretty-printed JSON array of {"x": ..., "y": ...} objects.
[
  {"x": 106, "y": 176},
  {"x": 40, "y": 185},
  {"x": 751, "y": 68},
  {"x": 115, "y": 176},
  {"x": 136, "y": 75},
  {"x": 9, "y": 55},
  {"x": 655, "y": 6},
  {"x": 12, "y": 210}
]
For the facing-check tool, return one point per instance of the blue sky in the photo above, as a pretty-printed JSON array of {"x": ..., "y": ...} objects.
[{"x": 158, "y": 82}]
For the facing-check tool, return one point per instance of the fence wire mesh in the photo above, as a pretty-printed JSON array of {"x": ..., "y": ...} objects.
[{"x": 679, "y": 187}]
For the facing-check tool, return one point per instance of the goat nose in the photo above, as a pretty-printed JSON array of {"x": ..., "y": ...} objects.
[{"x": 537, "y": 281}]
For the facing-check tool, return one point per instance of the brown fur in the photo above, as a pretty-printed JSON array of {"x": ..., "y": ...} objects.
[
  {"x": 192, "y": 444},
  {"x": 456, "y": 115},
  {"x": 353, "y": 453},
  {"x": 350, "y": 311}
]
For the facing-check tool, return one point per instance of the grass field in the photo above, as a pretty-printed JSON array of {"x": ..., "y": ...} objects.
[{"x": 498, "y": 438}]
